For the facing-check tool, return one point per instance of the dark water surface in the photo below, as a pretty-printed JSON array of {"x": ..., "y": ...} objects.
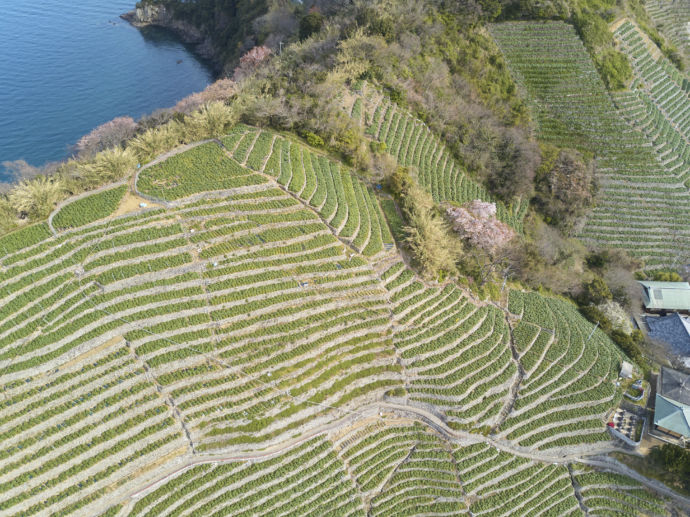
[{"x": 67, "y": 67}]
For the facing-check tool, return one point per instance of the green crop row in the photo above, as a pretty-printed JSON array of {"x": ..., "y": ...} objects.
[
  {"x": 200, "y": 169},
  {"x": 89, "y": 209}
]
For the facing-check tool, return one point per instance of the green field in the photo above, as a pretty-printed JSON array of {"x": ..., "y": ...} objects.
[
  {"x": 672, "y": 19},
  {"x": 413, "y": 144},
  {"x": 642, "y": 202},
  {"x": 256, "y": 350},
  {"x": 658, "y": 102},
  {"x": 89, "y": 209}
]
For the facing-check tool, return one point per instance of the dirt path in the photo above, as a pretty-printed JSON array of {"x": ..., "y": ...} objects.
[{"x": 589, "y": 455}]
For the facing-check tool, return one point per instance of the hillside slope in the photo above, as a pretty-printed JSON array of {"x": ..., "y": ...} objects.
[
  {"x": 413, "y": 144},
  {"x": 263, "y": 339},
  {"x": 643, "y": 199}
]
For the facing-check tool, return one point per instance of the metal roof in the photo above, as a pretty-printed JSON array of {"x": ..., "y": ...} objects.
[
  {"x": 672, "y": 416},
  {"x": 626, "y": 370},
  {"x": 666, "y": 295},
  {"x": 675, "y": 386}
]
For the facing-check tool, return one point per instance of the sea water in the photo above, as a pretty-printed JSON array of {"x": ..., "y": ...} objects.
[{"x": 67, "y": 67}]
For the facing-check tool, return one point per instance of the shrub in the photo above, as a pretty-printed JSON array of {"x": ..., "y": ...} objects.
[
  {"x": 156, "y": 141},
  {"x": 598, "y": 259},
  {"x": 596, "y": 291},
  {"x": 615, "y": 69},
  {"x": 310, "y": 24},
  {"x": 593, "y": 29},
  {"x": 667, "y": 276},
  {"x": 594, "y": 315},
  {"x": 628, "y": 345},
  {"x": 111, "y": 134},
  {"x": 36, "y": 198},
  {"x": 109, "y": 165},
  {"x": 674, "y": 460},
  {"x": 211, "y": 121},
  {"x": 383, "y": 27},
  {"x": 565, "y": 187},
  {"x": 313, "y": 139},
  {"x": 396, "y": 95}
]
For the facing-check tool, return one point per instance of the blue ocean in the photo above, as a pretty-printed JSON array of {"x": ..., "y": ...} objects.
[{"x": 67, "y": 67}]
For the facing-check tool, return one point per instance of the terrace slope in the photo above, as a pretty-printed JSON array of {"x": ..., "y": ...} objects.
[
  {"x": 255, "y": 345},
  {"x": 413, "y": 144},
  {"x": 673, "y": 19},
  {"x": 642, "y": 200}
]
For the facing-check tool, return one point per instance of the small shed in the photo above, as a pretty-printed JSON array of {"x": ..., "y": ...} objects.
[
  {"x": 666, "y": 296},
  {"x": 626, "y": 370}
]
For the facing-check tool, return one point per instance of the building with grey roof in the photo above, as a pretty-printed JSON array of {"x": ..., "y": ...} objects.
[
  {"x": 672, "y": 405},
  {"x": 674, "y": 330}
]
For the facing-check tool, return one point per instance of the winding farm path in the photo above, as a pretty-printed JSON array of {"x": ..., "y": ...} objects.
[{"x": 591, "y": 455}]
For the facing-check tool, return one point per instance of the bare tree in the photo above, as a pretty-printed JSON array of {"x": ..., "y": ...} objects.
[{"x": 111, "y": 134}]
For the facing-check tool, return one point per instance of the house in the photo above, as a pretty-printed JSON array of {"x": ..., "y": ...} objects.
[
  {"x": 672, "y": 407},
  {"x": 626, "y": 370},
  {"x": 673, "y": 329},
  {"x": 666, "y": 296}
]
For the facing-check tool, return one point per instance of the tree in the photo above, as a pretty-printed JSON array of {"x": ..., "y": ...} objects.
[
  {"x": 615, "y": 69},
  {"x": 486, "y": 237},
  {"x": 675, "y": 460},
  {"x": 250, "y": 60},
  {"x": 220, "y": 90},
  {"x": 155, "y": 141},
  {"x": 107, "y": 166},
  {"x": 426, "y": 234},
  {"x": 518, "y": 159},
  {"x": 211, "y": 121},
  {"x": 310, "y": 24},
  {"x": 476, "y": 222},
  {"x": 565, "y": 187},
  {"x": 111, "y": 134},
  {"x": 595, "y": 292},
  {"x": 8, "y": 215}
]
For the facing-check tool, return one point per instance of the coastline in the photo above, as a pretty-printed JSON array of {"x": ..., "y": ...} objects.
[
  {"x": 138, "y": 73},
  {"x": 159, "y": 16}
]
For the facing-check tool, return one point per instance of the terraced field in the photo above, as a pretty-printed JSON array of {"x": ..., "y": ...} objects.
[
  {"x": 457, "y": 354},
  {"x": 673, "y": 19},
  {"x": 569, "y": 380},
  {"x": 605, "y": 493},
  {"x": 659, "y": 102},
  {"x": 413, "y": 144},
  {"x": 393, "y": 467},
  {"x": 251, "y": 346},
  {"x": 643, "y": 199}
]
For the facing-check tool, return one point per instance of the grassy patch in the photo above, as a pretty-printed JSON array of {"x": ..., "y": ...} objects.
[
  {"x": 200, "y": 169},
  {"x": 89, "y": 209}
]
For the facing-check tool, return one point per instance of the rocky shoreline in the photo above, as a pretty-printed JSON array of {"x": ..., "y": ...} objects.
[{"x": 158, "y": 15}]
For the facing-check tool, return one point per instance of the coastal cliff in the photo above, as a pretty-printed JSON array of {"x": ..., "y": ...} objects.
[
  {"x": 220, "y": 30},
  {"x": 161, "y": 16}
]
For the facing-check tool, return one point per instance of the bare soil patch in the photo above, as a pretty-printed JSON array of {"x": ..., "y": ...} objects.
[{"x": 131, "y": 203}]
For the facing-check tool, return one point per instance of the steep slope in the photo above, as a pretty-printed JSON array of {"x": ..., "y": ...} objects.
[
  {"x": 251, "y": 346},
  {"x": 658, "y": 102},
  {"x": 413, "y": 144},
  {"x": 642, "y": 200},
  {"x": 673, "y": 19}
]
